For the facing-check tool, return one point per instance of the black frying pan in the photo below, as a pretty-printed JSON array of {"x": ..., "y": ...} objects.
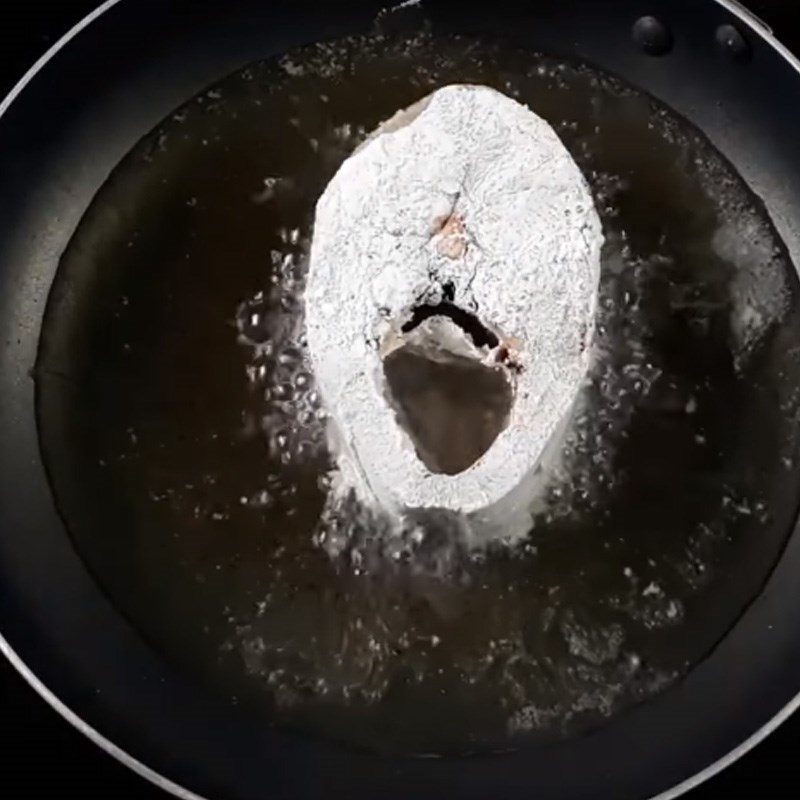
[{"x": 62, "y": 131}]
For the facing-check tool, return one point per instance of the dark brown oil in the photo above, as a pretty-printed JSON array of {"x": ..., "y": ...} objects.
[
  {"x": 453, "y": 408},
  {"x": 186, "y": 443}
]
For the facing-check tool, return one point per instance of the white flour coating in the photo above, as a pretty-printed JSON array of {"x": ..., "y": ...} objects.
[{"x": 471, "y": 191}]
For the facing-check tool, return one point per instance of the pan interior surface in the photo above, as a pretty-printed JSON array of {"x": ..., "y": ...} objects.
[{"x": 185, "y": 441}]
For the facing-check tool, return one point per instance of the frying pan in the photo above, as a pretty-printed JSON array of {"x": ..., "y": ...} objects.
[{"x": 64, "y": 127}]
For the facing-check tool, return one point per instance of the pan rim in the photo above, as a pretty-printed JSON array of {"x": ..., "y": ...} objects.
[{"x": 754, "y": 24}]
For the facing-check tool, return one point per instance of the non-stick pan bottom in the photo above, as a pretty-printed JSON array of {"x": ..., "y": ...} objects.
[{"x": 185, "y": 441}]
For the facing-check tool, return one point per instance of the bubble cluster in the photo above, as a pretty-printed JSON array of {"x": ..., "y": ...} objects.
[{"x": 279, "y": 374}]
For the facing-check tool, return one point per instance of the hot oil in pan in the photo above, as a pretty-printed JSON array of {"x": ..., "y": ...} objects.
[{"x": 184, "y": 436}]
